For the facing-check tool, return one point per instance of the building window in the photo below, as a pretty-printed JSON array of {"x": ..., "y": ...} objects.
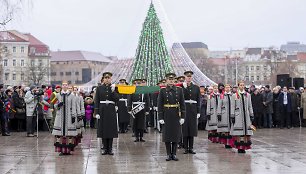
[
  {"x": 14, "y": 62},
  {"x": 247, "y": 78},
  {"x": 22, "y": 49},
  {"x": 265, "y": 77},
  {"x": 246, "y": 68},
  {"x": 68, "y": 73},
  {"x": 257, "y": 68},
  {"x": 5, "y": 49},
  {"x": 53, "y": 73},
  {"x": 7, "y": 76},
  {"x": 252, "y": 78},
  {"x": 77, "y": 73},
  {"x": 257, "y": 78},
  {"x": 40, "y": 63},
  {"x": 32, "y": 62},
  {"x": 252, "y": 68},
  {"x": 14, "y": 49},
  {"x": 21, "y": 62},
  {"x": 61, "y": 73},
  {"x": 14, "y": 76},
  {"x": 5, "y": 62},
  {"x": 22, "y": 77},
  {"x": 265, "y": 67}
]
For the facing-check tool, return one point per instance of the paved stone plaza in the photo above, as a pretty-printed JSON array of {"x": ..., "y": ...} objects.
[{"x": 274, "y": 151}]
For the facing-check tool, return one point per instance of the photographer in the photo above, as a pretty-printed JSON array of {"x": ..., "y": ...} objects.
[{"x": 30, "y": 109}]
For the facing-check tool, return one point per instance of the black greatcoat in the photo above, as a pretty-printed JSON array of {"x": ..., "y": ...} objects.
[
  {"x": 172, "y": 128},
  {"x": 107, "y": 124},
  {"x": 190, "y": 127},
  {"x": 123, "y": 115},
  {"x": 140, "y": 118}
]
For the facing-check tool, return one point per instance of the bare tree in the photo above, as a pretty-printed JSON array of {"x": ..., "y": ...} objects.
[{"x": 37, "y": 73}]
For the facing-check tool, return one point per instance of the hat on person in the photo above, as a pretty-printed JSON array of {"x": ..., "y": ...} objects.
[
  {"x": 107, "y": 74},
  {"x": 170, "y": 76},
  {"x": 267, "y": 86},
  {"x": 188, "y": 73}
]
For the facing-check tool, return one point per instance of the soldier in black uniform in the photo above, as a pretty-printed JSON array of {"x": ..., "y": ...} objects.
[
  {"x": 192, "y": 101},
  {"x": 138, "y": 107},
  {"x": 105, "y": 99},
  {"x": 180, "y": 81},
  {"x": 171, "y": 112},
  {"x": 123, "y": 115},
  {"x": 144, "y": 83}
]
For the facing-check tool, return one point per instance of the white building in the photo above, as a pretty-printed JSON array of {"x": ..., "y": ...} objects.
[{"x": 21, "y": 54}]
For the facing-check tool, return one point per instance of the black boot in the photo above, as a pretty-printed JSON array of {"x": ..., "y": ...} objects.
[
  {"x": 136, "y": 140},
  {"x": 173, "y": 151},
  {"x": 241, "y": 151},
  {"x": 105, "y": 152},
  {"x": 110, "y": 146},
  {"x": 228, "y": 146},
  {"x": 169, "y": 158},
  {"x": 186, "y": 151},
  {"x": 191, "y": 145}
]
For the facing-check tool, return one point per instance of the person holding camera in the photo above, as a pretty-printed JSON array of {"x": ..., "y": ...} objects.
[
  {"x": 31, "y": 102},
  {"x": 64, "y": 128}
]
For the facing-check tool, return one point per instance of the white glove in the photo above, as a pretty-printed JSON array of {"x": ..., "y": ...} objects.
[
  {"x": 155, "y": 108},
  {"x": 161, "y": 121},
  {"x": 113, "y": 86},
  {"x": 131, "y": 114},
  {"x": 98, "y": 116},
  {"x": 184, "y": 84},
  {"x": 182, "y": 121},
  {"x": 147, "y": 113},
  {"x": 198, "y": 115},
  {"x": 116, "y": 107}
]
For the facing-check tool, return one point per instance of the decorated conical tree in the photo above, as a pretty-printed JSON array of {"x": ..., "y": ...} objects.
[{"x": 152, "y": 60}]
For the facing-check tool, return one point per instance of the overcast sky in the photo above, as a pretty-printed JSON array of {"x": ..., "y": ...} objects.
[{"x": 112, "y": 27}]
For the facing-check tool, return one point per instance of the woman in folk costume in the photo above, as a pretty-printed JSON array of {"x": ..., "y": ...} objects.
[
  {"x": 80, "y": 114},
  {"x": 241, "y": 118},
  {"x": 64, "y": 127},
  {"x": 224, "y": 117},
  {"x": 212, "y": 104}
]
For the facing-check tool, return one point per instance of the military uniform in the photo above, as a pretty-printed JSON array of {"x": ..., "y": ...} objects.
[
  {"x": 105, "y": 99},
  {"x": 193, "y": 108},
  {"x": 139, "y": 122},
  {"x": 171, "y": 110}
]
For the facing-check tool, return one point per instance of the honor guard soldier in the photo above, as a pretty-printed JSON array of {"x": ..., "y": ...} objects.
[
  {"x": 192, "y": 101},
  {"x": 123, "y": 115},
  {"x": 171, "y": 112},
  {"x": 138, "y": 107},
  {"x": 105, "y": 99}
]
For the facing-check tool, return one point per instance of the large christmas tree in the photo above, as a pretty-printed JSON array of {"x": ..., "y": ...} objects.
[{"x": 152, "y": 60}]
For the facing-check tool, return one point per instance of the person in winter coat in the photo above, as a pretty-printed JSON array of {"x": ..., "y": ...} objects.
[{"x": 257, "y": 103}]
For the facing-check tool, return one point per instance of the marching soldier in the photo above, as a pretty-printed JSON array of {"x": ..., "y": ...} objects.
[
  {"x": 123, "y": 115},
  {"x": 105, "y": 99},
  {"x": 171, "y": 111},
  {"x": 138, "y": 107},
  {"x": 192, "y": 101}
]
